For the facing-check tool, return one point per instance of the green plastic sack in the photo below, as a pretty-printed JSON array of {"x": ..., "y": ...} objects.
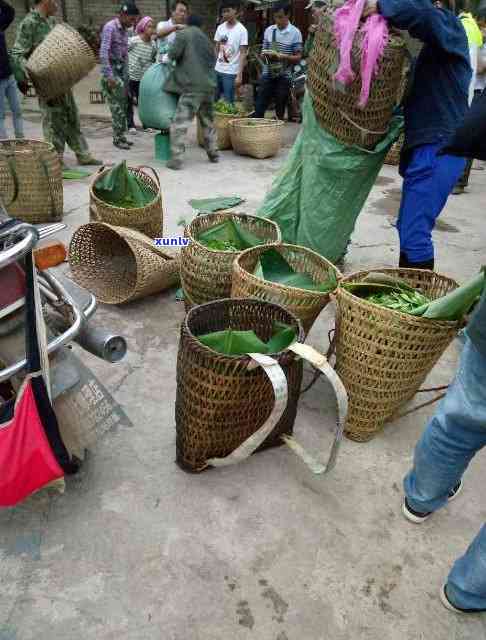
[
  {"x": 273, "y": 267},
  {"x": 238, "y": 343},
  {"x": 319, "y": 192},
  {"x": 122, "y": 188},
  {"x": 156, "y": 107},
  {"x": 229, "y": 236}
]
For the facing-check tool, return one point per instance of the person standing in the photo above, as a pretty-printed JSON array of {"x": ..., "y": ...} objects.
[
  {"x": 435, "y": 106},
  {"x": 60, "y": 117},
  {"x": 194, "y": 81},
  {"x": 452, "y": 438},
  {"x": 231, "y": 40},
  {"x": 142, "y": 52},
  {"x": 8, "y": 84},
  {"x": 167, "y": 30},
  {"x": 282, "y": 45},
  {"x": 114, "y": 70}
]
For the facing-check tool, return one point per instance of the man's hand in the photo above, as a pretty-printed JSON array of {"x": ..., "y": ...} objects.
[
  {"x": 180, "y": 27},
  {"x": 371, "y": 7},
  {"x": 238, "y": 81},
  {"x": 112, "y": 83},
  {"x": 23, "y": 87},
  {"x": 312, "y": 28}
]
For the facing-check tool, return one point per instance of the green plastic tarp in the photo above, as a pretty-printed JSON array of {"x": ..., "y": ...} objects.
[{"x": 321, "y": 189}]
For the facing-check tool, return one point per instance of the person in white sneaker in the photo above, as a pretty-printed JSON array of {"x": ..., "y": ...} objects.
[{"x": 231, "y": 40}]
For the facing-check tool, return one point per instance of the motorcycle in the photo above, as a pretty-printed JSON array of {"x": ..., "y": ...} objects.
[{"x": 84, "y": 408}]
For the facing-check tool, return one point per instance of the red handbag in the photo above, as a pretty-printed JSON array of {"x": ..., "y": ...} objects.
[{"x": 32, "y": 453}]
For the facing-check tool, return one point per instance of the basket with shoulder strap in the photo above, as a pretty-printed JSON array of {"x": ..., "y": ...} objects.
[
  {"x": 383, "y": 356},
  {"x": 119, "y": 265},
  {"x": 61, "y": 60},
  {"x": 147, "y": 220},
  {"x": 229, "y": 407},
  {"x": 207, "y": 274},
  {"x": 337, "y": 108},
  {"x": 303, "y": 303},
  {"x": 31, "y": 181}
]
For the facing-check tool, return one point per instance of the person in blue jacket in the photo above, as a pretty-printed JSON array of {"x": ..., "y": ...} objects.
[{"x": 435, "y": 106}]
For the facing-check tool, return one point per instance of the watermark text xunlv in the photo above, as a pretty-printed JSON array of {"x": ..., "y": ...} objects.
[{"x": 176, "y": 241}]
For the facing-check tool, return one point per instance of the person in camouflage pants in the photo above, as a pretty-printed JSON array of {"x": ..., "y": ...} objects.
[
  {"x": 60, "y": 117},
  {"x": 114, "y": 70},
  {"x": 193, "y": 79}
]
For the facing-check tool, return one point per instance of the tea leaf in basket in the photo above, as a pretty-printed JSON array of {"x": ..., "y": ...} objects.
[
  {"x": 120, "y": 187},
  {"x": 239, "y": 343},
  {"x": 273, "y": 267},
  {"x": 228, "y": 236},
  {"x": 456, "y": 304}
]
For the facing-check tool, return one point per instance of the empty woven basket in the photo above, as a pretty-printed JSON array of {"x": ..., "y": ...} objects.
[
  {"x": 61, "y": 60},
  {"x": 384, "y": 356},
  {"x": 120, "y": 265},
  {"x": 220, "y": 402},
  {"x": 206, "y": 274},
  {"x": 305, "y": 305},
  {"x": 256, "y": 137},
  {"x": 148, "y": 219},
  {"x": 337, "y": 107},
  {"x": 31, "y": 181}
]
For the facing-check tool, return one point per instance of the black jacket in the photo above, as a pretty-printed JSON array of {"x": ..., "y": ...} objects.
[{"x": 7, "y": 15}]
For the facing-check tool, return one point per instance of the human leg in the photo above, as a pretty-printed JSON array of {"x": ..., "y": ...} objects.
[
  {"x": 466, "y": 584},
  {"x": 282, "y": 96},
  {"x": 3, "y": 89},
  {"x": 54, "y": 124},
  {"x": 187, "y": 108},
  {"x": 205, "y": 116},
  {"x": 452, "y": 437},
  {"x": 228, "y": 86},
  {"x": 428, "y": 179},
  {"x": 74, "y": 136},
  {"x": 264, "y": 96},
  {"x": 117, "y": 101},
  {"x": 12, "y": 94}
]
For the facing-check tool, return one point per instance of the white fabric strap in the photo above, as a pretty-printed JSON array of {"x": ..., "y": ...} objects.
[{"x": 277, "y": 377}]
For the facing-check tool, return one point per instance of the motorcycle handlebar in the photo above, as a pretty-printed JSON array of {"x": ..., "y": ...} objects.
[{"x": 30, "y": 237}]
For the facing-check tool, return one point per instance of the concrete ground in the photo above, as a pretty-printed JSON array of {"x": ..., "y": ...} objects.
[{"x": 138, "y": 550}]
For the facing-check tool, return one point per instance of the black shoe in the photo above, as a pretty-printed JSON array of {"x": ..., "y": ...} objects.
[
  {"x": 213, "y": 157},
  {"x": 127, "y": 141},
  {"x": 417, "y": 517},
  {"x": 446, "y": 601},
  {"x": 121, "y": 144}
]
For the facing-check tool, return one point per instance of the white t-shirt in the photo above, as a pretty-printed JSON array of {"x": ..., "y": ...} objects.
[
  {"x": 163, "y": 44},
  {"x": 231, "y": 38}
]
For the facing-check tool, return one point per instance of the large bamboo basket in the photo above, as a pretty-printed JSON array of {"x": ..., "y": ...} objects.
[
  {"x": 305, "y": 305},
  {"x": 220, "y": 401},
  {"x": 384, "y": 356},
  {"x": 61, "y": 60},
  {"x": 120, "y": 265},
  {"x": 31, "y": 181},
  {"x": 207, "y": 275},
  {"x": 221, "y": 126},
  {"x": 256, "y": 137},
  {"x": 337, "y": 108},
  {"x": 147, "y": 220},
  {"x": 393, "y": 156}
]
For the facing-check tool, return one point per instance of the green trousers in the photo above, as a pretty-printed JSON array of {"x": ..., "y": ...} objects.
[
  {"x": 189, "y": 106},
  {"x": 117, "y": 98},
  {"x": 61, "y": 125}
]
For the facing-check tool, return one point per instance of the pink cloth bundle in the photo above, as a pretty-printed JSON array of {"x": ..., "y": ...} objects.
[
  {"x": 375, "y": 38},
  {"x": 142, "y": 24}
]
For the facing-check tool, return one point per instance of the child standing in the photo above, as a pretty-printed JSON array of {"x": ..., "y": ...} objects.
[{"x": 142, "y": 52}]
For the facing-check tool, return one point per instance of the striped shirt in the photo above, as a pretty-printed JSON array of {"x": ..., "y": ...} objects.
[
  {"x": 288, "y": 41},
  {"x": 141, "y": 55}
]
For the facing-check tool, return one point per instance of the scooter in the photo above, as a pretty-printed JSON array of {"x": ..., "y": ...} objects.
[{"x": 84, "y": 408}]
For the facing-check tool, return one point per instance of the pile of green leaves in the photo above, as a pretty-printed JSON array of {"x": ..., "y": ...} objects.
[
  {"x": 122, "y": 188},
  {"x": 228, "y": 236},
  {"x": 396, "y": 294},
  {"x": 273, "y": 267},
  {"x": 221, "y": 106},
  {"x": 239, "y": 343}
]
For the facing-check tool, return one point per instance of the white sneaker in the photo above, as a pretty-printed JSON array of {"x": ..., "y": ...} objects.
[{"x": 132, "y": 131}]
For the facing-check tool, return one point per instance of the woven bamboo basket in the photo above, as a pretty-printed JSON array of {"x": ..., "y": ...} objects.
[
  {"x": 221, "y": 125},
  {"x": 31, "y": 181},
  {"x": 305, "y": 305},
  {"x": 207, "y": 275},
  {"x": 119, "y": 265},
  {"x": 148, "y": 220},
  {"x": 393, "y": 156},
  {"x": 61, "y": 60},
  {"x": 256, "y": 137},
  {"x": 220, "y": 403},
  {"x": 384, "y": 356},
  {"x": 337, "y": 108}
]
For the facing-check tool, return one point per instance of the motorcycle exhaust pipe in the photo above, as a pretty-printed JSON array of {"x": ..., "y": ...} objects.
[{"x": 102, "y": 343}]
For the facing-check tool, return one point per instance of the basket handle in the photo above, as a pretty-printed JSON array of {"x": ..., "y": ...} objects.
[
  {"x": 13, "y": 172},
  {"x": 319, "y": 361},
  {"x": 156, "y": 175},
  {"x": 49, "y": 186}
]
